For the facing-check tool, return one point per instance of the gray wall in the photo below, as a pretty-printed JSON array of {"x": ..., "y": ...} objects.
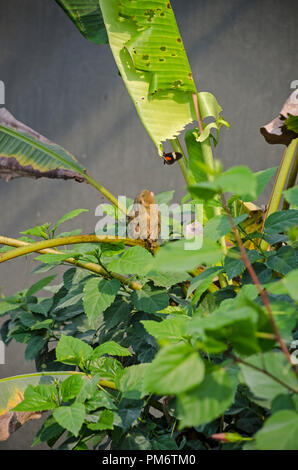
[{"x": 243, "y": 51}]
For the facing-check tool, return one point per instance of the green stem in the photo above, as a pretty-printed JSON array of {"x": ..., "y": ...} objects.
[
  {"x": 41, "y": 245},
  {"x": 94, "y": 268},
  {"x": 106, "y": 193},
  {"x": 291, "y": 180},
  {"x": 281, "y": 178},
  {"x": 183, "y": 161},
  {"x": 279, "y": 184}
]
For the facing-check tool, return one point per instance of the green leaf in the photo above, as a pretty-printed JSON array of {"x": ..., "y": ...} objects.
[
  {"x": 262, "y": 385},
  {"x": 151, "y": 59},
  {"x": 100, "y": 399},
  {"x": 207, "y": 401},
  {"x": 6, "y": 307},
  {"x": 167, "y": 279},
  {"x": 281, "y": 221},
  {"x": 105, "y": 421},
  {"x": 165, "y": 197},
  {"x": 175, "y": 257},
  {"x": 150, "y": 301},
  {"x": 71, "y": 387},
  {"x": 45, "y": 324},
  {"x": 99, "y": 294},
  {"x": 236, "y": 327},
  {"x": 292, "y": 123},
  {"x": 130, "y": 381},
  {"x": 135, "y": 260},
  {"x": 38, "y": 231},
  {"x": 39, "y": 398},
  {"x": 111, "y": 348},
  {"x": 263, "y": 178},
  {"x": 220, "y": 225},
  {"x": 87, "y": 17},
  {"x": 39, "y": 285},
  {"x": 71, "y": 417},
  {"x": 53, "y": 258},
  {"x": 201, "y": 282},
  {"x": 234, "y": 267},
  {"x": 34, "y": 345},
  {"x": 32, "y": 154},
  {"x": 283, "y": 261},
  {"x": 176, "y": 368},
  {"x": 171, "y": 330},
  {"x": 73, "y": 351},
  {"x": 49, "y": 432},
  {"x": 279, "y": 432},
  {"x": 291, "y": 281},
  {"x": 195, "y": 158},
  {"x": 70, "y": 215},
  {"x": 291, "y": 195},
  {"x": 238, "y": 180},
  {"x": 13, "y": 388}
]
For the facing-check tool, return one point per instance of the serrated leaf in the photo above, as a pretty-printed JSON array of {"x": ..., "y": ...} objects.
[
  {"x": 71, "y": 387},
  {"x": 111, "y": 348},
  {"x": 281, "y": 221},
  {"x": 150, "y": 301},
  {"x": 291, "y": 195},
  {"x": 73, "y": 351},
  {"x": 135, "y": 260},
  {"x": 171, "y": 330},
  {"x": 207, "y": 401},
  {"x": 262, "y": 385},
  {"x": 38, "y": 398},
  {"x": 176, "y": 368},
  {"x": 71, "y": 417},
  {"x": 99, "y": 294},
  {"x": 279, "y": 432}
]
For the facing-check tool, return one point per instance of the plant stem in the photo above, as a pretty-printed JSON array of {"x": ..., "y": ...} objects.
[
  {"x": 95, "y": 268},
  {"x": 256, "y": 281},
  {"x": 183, "y": 161},
  {"x": 281, "y": 178},
  {"x": 37, "y": 246},
  {"x": 264, "y": 371},
  {"x": 106, "y": 193},
  {"x": 291, "y": 180}
]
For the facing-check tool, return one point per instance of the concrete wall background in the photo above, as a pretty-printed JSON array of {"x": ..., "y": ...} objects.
[{"x": 68, "y": 89}]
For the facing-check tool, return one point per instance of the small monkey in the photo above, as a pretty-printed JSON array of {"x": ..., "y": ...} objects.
[{"x": 144, "y": 218}]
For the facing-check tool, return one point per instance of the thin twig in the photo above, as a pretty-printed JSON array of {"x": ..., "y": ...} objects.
[
  {"x": 263, "y": 371},
  {"x": 257, "y": 283},
  {"x": 95, "y": 268}
]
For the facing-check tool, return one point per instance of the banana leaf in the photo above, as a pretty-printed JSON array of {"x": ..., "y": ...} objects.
[
  {"x": 87, "y": 17},
  {"x": 149, "y": 52},
  {"x": 24, "y": 152}
]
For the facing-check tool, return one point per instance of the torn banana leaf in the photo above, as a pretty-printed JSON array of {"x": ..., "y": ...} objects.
[
  {"x": 24, "y": 152},
  {"x": 284, "y": 128},
  {"x": 12, "y": 393},
  {"x": 87, "y": 17},
  {"x": 149, "y": 52}
]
